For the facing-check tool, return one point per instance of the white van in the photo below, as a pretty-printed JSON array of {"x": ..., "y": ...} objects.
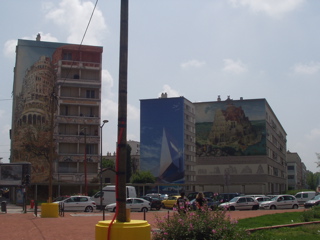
[
  {"x": 302, "y": 197},
  {"x": 109, "y": 195}
]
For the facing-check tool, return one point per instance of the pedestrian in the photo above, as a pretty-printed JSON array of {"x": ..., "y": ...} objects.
[
  {"x": 182, "y": 203},
  {"x": 200, "y": 201}
]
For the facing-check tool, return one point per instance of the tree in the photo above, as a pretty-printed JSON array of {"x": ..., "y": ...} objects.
[
  {"x": 108, "y": 163},
  {"x": 313, "y": 179},
  {"x": 318, "y": 162},
  {"x": 143, "y": 177}
]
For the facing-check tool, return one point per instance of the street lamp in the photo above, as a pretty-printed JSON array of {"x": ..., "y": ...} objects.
[{"x": 103, "y": 122}]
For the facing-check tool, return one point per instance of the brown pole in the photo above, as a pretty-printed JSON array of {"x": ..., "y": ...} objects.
[
  {"x": 51, "y": 147},
  {"x": 122, "y": 114}
]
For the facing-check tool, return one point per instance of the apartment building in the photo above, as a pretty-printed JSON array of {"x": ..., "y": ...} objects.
[
  {"x": 227, "y": 146},
  {"x": 63, "y": 79},
  {"x": 296, "y": 171},
  {"x": 241, "y": 147},
  {"x": 167, "y": 140}
]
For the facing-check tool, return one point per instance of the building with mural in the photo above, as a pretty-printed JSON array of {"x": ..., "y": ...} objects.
[
  {"x": 240, "y": 147},
  {"x": 222, "y": 146},
  {"x": 167, "y": 140},
  {"x": 57, "y": 88}
]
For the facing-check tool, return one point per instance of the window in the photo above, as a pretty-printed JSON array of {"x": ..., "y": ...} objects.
[
  {"x": 290, "y": 167},
  {"x": 90, "y": 94},
  {"x": 290, "y": 176},
  {"x": 67, "y": 56}
]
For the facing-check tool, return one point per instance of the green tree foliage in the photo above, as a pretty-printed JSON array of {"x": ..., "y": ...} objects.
[
  {"x": 313, "y": 179},
  {"x": 143, "y": 177},
  {"x": 108, "y": 163}
]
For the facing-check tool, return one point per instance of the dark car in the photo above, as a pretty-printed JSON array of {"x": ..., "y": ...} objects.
[
  {"x": 155, "y": 202},
  {"x": 315, "y": 201},
  {"x": 226, "y": 197},
  {"x": 211, "y": 203},
  {"x": 193, "y": 195}
]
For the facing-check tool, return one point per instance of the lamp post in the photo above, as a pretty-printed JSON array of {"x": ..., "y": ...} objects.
[{"x": 101, "y": 192}]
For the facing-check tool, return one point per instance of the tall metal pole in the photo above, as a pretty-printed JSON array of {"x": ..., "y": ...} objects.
[
  {"x": 85, "y": 163},
  {"x": 122, "y": 114},
  {"x": 101, "y": 192},
  {"x": 51, "y": 147}
]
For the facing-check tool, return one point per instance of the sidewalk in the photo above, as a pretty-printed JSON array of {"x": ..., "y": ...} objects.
[{"x": 80, "y": 225}]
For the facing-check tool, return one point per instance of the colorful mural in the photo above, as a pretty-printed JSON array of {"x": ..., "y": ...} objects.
[
  {"x": 230, "y": 128},
  {"x": 33, "y": 85},
  {"x": 162, "y": 139}
]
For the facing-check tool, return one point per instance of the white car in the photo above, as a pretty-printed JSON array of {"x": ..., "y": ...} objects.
[
  {"x": 240, "y": 203},
  {"x": 77, "y": 203},
  {"x": 280, "y": 202},
  {"x": 135, "y": 204}
]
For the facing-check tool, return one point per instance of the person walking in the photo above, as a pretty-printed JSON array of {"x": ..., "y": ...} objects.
[
  {"x": 200, "y": 201},
  {"x": 182, "y": 203}
]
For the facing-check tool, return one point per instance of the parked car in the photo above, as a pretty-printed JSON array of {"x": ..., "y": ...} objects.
[
  {"x": 156, "y": 195},
  {"x": 78, "y": 203},
  {"x": 155, "y": 202},
  {"x": 164, "y": 196},
  {"x": 170, "y": 202},
  {"x": 135, "y": 204},
  {"x": 280, "y": 202},
  {"x": 240, "y": 203},
  {"x": 226, "y": 197},
  {"x": 60, "y": 198},
  {"x": 315, "y": 201},
  {"x": 302, "y": 197},
  {"x": 193, "y": 195},
  {"x": 262, "y": 199},
  {"x": 211, "y": 203}
]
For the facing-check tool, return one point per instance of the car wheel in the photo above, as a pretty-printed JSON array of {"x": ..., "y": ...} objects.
[
  {"x": 114, "y": 209},
  {"x": 144, "y": 209},
  {"x": 295, "y": 206},
  {"x": 232, "y": 208},
  {"x": 255, "y": 207},
  {"x": 273, "y": 207},
  {"x": 89, "y": 209},
  {"x": 163, "y": 206},
  {"x": 158, "y": 208}
]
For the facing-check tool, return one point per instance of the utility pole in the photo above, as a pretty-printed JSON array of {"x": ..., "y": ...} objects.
[
  {"x": 122, "y": 114},
  {"x": 51, "y": 146}
]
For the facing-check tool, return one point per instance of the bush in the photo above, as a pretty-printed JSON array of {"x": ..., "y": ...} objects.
[
  {"x": 311, "y": 215},
  {"x": 204, "y": 224}
]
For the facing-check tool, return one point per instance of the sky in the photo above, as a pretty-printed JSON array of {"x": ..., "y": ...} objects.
[{"x": 197, "y": 49}]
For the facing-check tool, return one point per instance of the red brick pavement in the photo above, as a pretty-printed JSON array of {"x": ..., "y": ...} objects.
[{"x": 79, "y": 226}]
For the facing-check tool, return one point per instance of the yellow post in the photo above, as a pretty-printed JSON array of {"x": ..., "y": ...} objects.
[{"x": 49, "y": 210}]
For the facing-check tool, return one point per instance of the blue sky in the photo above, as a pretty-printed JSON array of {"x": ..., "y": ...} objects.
[{"x": 196, "y": 49}]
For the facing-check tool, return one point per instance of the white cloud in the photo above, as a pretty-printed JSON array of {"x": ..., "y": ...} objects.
[
  {"x": 73, "y": 16},
  {"x": 107, "y": 84},
  {"x": 314, "y": 134},
  {"x": 273, "y": 8},
  {"x": 9, "y": 49},
  {"x": 310, "y": 68},
  {"x": 233, "y": 66},
  {"x": 192, "y": 64},
  {"x": 170, "y": 92}
]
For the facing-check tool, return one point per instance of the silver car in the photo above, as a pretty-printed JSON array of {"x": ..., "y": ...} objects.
[
  {"x": 280, "y": 202},
  {"x": 135, "y": 204},
  {"x": 77, "y": 203},
  {"x": 240, "y": 203}
]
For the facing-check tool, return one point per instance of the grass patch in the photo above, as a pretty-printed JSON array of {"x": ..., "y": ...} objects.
[
  {"x": 270, "y": 220},
  {"x": 310, "y": 232}
]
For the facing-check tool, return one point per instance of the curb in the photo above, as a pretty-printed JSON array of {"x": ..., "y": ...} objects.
[{"x": 281, "y": 226}]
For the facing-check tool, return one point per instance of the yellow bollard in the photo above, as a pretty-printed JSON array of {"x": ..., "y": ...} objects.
[{"x": 49, "y": 210}]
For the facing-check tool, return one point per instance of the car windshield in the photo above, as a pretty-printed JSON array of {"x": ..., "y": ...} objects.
[
  {"x": 316, "y": 197},
  {"x": 234, "y": 199},
  {"x": 274, "y": 198}
]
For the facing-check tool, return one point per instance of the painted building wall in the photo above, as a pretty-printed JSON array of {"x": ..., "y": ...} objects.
[{"x": 162, "y": 138}]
